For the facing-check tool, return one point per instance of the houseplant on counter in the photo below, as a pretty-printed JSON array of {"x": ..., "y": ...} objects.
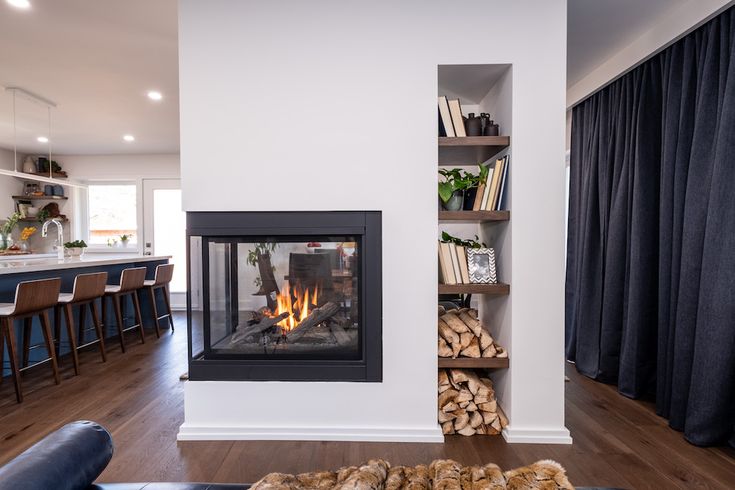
[
  {"x": 75, "y": 248},
  {"x": 24, "y": 236},
  {"x": 124, "y": 239},
  {"x": 5, "y": 240}
]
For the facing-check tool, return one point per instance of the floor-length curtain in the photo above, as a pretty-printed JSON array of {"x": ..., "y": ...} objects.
[{"x": 650, "y": 288}]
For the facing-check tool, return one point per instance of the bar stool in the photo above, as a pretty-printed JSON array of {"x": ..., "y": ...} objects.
[
  {"x": 87, "y": 289},
  {"x": 131, "y": 280},
  {"x": 164, "y": 274},
  {"x": 31, "y": 298}
]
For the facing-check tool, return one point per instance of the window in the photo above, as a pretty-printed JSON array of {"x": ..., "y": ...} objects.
[{"x": 112, "y": 213}]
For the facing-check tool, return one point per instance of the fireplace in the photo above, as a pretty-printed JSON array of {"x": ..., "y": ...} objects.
[{"x": 284, "y": 296}]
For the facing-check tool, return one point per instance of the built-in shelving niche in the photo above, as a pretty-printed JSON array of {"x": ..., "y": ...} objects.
[{"x": 482, "y": 88}]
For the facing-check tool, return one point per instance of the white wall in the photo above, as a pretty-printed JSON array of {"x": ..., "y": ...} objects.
[
  {"x": 8, "y": 185},
  {"x": 672, "y": 26},
  {"x": 331, "y": 106},
  {"x": 120, "y": 167}
]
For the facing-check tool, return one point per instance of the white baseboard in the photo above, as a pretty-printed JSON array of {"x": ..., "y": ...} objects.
[
  {"x": 537, "y": 436},
  {"x": 189, "y": 432}
]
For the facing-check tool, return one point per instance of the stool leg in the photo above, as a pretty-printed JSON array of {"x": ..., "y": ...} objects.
[
  {"x": 98, "y": 328},
  {"x": 27, "y": 325},
  {"x": 118, "y": 316},
  {"x": 70, "y": 332},
  {"x": 167, "y": 300},
  {"x": 13, "y": 355},
  {"x": 57, "y": 330},
  {"x": 46, "y": 325},
  {"x": 138, "y": 317},
  {"x": 82, "y": 324},
  {"x": 152, "y": 295},
  {"x": 2, "y": 351}
]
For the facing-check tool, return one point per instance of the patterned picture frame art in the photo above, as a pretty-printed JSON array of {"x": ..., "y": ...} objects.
[{"x": 481, "y": 265}]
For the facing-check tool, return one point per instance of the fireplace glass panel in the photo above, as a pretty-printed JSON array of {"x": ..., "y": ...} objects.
[{"x": 282, "y": 297}]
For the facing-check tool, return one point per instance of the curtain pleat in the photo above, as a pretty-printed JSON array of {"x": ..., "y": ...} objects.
[{"x": 650, "y": 282}]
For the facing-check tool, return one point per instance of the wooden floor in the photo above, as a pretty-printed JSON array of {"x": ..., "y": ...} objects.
[{"x": 139, "y": 398}]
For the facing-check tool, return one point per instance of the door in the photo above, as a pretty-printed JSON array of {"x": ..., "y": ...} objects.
[{"x": 164, "y": 230}]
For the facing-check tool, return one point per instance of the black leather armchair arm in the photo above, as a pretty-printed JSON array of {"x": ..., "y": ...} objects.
[{"x": 70, "y": 458}]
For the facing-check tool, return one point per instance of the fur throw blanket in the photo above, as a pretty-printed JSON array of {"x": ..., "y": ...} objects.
[{"x": 442, "y": 474}]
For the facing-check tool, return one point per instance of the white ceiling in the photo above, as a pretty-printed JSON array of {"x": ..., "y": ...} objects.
[
  {"x": 596, "y": 29},
  {"x": 96, "y": 60}
]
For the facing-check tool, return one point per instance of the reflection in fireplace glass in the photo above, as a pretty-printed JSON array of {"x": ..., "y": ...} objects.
[{"x": 284, "y": 297}]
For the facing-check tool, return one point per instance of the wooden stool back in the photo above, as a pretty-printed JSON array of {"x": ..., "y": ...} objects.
[
  {"x": 164, "y": 274},
  {"x": 89, "y": 286},
  {"x": 34, "y": 296},
  {"x": 132, "y": 279}
]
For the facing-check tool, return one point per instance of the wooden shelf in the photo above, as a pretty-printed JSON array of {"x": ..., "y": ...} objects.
[
  {"x": 490, "y": 289},
  {"x": 55, "y": 175},
  {"x": 473, "y": 216},
  {"x": 40, "y": 198},
  {"x": 470, "y": 150},
  {"x": 474, "y": 363},
  {"x": 35, "y": 220}
]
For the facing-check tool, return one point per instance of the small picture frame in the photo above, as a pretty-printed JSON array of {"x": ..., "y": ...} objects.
[{"x": 481, "y": 265}]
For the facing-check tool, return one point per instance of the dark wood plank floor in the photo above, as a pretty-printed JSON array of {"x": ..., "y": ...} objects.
[{"x": 139, "y": 398}]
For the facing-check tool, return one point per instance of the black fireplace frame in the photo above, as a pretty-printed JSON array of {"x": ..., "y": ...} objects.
[{"x": 363, "y": 224}]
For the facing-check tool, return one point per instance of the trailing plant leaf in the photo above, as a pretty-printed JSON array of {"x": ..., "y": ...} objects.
[{"x": 447, "y": 238}]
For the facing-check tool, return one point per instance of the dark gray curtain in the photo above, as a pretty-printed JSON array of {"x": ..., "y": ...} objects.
[{"x": 650, "y": 287}]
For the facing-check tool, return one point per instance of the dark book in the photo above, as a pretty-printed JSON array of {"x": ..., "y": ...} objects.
[{"x": 442, "y": 131}]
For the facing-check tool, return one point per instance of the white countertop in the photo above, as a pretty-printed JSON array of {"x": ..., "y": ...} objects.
[{"x": 48, "y": 262}]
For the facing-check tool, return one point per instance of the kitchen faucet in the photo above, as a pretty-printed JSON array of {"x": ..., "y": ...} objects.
[{"x": 60, "y": 239}]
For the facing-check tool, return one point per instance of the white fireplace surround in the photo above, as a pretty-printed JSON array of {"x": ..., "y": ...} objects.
[{"x": 330, "y": 105}]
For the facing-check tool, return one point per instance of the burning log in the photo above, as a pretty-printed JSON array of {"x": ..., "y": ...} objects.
[
  {"x": 246, "y": 331},
  {"x": 315, "y": 317},
  {"x": 467, "y": 405}
]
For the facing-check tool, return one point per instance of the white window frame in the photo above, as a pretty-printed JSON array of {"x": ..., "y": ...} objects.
[{"x": 84, "y": 218}]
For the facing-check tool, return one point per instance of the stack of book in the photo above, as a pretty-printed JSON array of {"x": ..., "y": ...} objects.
[
  {"x": 490, "y": 195},
  {"x": 450, "y": 118},
  {"x": 453, "y": 264}
]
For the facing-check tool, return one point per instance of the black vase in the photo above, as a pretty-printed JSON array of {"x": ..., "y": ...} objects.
[
  {"x": 473, "y": 125},
  {"x": 491, "y": 129},
  {"x": 469, "y": 198}
]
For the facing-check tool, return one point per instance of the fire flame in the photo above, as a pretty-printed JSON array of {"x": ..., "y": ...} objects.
[{"x": 297, "y": 305}]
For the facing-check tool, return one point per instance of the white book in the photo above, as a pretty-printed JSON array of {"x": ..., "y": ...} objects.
[
  {"x": 446, "y": 263},
  {"x": 456, "y": 110},
  {"x": 455, "y": 263},
  {"x": 446, "y": 116},
  {"x": 486, "y": 194}
]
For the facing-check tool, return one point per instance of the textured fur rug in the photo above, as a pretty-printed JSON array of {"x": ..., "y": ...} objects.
[{"x": 442, "y": 474}]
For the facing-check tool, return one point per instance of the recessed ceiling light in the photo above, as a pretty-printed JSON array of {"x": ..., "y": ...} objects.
[
  {"x": 42, "y": 139},
  {"x": 129, "y": 138},
  {"x": 21, "y": 4},
  {"x": 155, "y": 95}
]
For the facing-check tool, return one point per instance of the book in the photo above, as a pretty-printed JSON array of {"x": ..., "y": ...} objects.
[
  {"x": 494, "y": 185},
  {"x": 456, "y": 111},
  {"x": 486, "y": 193},
  {"x": 445, "y": 259},
  {"x": 455, "y": 263},
  {"x": 478, "y": 197},
  {"x": 501, "y": 194},
  {"x": 446, "y": 116},
  {"x": 462, "y": 257},
  {"x": 440, "y": 125}
]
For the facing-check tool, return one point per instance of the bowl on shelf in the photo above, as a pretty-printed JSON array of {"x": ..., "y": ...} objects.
[{"x": 32, "y": 211}]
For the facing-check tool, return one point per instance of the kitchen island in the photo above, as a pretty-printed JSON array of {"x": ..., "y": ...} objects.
[{"x": 15, "y": 269}]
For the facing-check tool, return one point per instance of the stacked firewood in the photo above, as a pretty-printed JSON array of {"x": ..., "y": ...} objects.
[
  {"x": 462, "y": 335},
  {"x": 467, "y": 404}
]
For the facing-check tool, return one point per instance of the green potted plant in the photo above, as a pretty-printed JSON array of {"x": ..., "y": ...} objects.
[
  {"x": 75, "y": 248},
  {"x": 5, "y": 240},
  {"x": 458, "y": 189},
  {"x": 124, "y": 240}
]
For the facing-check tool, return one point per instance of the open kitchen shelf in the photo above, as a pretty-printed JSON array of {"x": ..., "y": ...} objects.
[
  {"x": 473, "y": 216},
  {"x": 470, "y": 150},
  {"x": 474, "y": 363},
  {"x": 499, "y": 289},
  {"x": 40, "y": 198},
  {"x": 55, "y": 175}
]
